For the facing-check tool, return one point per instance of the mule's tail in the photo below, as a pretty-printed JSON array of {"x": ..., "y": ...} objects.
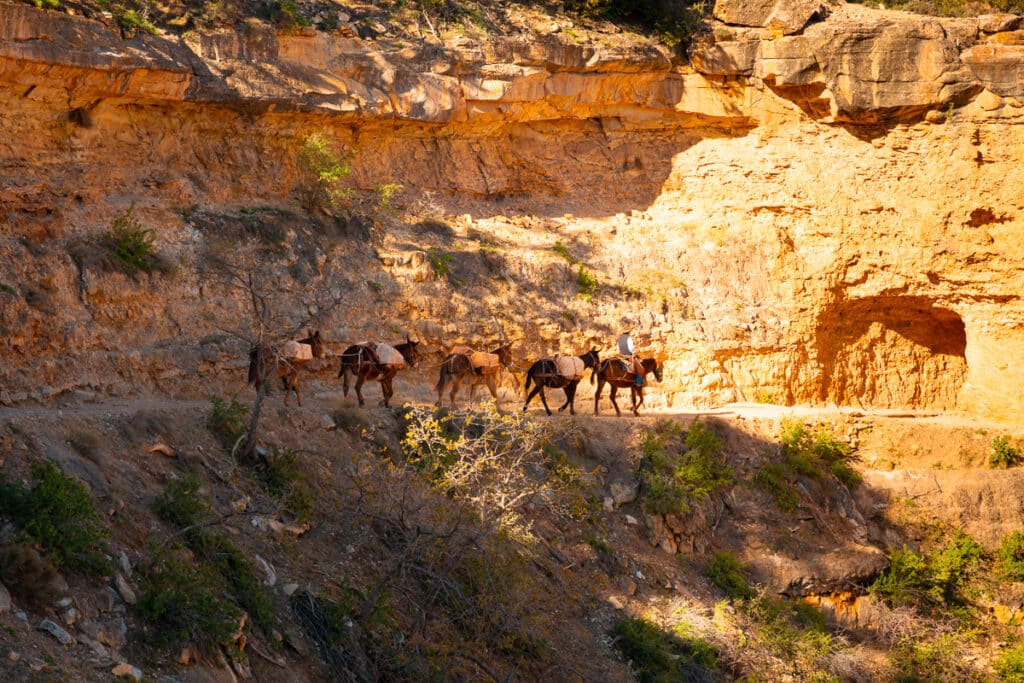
[
  {"x": 254, "y": 364},
  {"x": 529, "y": 378},
  {"x": 445, "y": 375},
  {"x": 593, "y": 372}
]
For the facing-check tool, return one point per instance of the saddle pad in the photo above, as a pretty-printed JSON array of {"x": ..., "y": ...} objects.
[
  {"x": 389, "y": 355},
  {"x": 569, "y": 367},
  {"x": 623, "y": 362},
  {"x": 484, "y": 361},
  {"x": 464, "y": 350},
  {"x": 293, "y": 350}
]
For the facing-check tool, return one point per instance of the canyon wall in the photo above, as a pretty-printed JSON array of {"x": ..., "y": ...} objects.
[{"x": 816, "y": 204}]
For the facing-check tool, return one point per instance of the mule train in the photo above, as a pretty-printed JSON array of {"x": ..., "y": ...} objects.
[{"x": 463, "y": 366}]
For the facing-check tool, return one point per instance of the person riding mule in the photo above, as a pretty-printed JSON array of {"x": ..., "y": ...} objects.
[
  {"x": 559, "y": 372},
  {"x": 380, "y": 362},
  {"x": 628, "y": 349}
]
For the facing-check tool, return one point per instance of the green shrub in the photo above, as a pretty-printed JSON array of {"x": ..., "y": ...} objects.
[
  {"x": 439, "y": 260},
  {"x": 674, "y": 479},
  {"x": 186, "y": 605},
  {"x": 47, "y": 4},
  {"x": 133, "y": 20},
  {"x": 240, "y": 573},
  {"x": 1003, "y": 454},
  {"x": 1011, "y": 556},
  {"x": 673, "y": 21},
  {"x": 587, "y": 283},
  {"x": 658, "y": 656},
  {"x": 907, "y": 581},
  {"x": 322, "y": 171},
  {"x": 284, "y": 480},
  {"x": 773, "y": 477},
  {"x": 792, "y": 629},
  {"x": 812, "y": 454},
  {"x": 131, "y": 245},
  {"x": 228, "y": 422},
  {"x": 180, "y": 504},
  {"x": 935, "y": 660},
  {"x": 1010, "y": 665},
  {"x": 726, "y": 573},
  {"x": 562, "y": 250},
  {"x": 60, "y": 515},
  {"x": 932, "y": 580}
]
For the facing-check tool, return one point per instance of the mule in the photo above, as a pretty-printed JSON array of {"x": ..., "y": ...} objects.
[
  {"x": 457, "y": 369},
  {"x": 617, "y": 373},
  {"x": 544, "y": 374},
  {"x": 266, "y": 363},
  {"x": 363, "y": 363}
]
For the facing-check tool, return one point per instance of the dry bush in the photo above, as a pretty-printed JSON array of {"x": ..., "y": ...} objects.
[{"x": 486, "y": 458}]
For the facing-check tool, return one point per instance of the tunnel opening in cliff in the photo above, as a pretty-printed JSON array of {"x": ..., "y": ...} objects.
[{"x": 891, "y": 352}]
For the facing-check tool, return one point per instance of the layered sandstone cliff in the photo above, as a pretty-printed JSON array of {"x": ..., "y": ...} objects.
[{"x": 820, "y": 203}]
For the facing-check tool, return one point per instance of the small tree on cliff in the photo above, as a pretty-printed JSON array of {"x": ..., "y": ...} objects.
[
  {"x": 323, "y": 170},
  {"x": 276, "y": 312}
]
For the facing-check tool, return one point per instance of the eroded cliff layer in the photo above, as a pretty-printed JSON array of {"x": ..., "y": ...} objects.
[{"x": 818, "y": 204}]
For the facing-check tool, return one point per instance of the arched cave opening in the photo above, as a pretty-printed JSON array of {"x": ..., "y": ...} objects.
[{"x": 891, "y": 352}]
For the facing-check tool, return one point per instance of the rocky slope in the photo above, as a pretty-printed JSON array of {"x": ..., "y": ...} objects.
[{"x": 820, "y": 204}]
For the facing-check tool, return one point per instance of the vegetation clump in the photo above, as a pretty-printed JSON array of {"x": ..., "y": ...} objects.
[
  {"x": 929, "y": 581},
  {"x": 59, "y": 515},
  {"x": 182, "y": 506},
  {"x": 227, "y": 421},
  {"x": 186, "y": 604},
  {"x": 805, "y": 453},
  {"x": 658, "y": 655},
  {"x": 1011, "y": 556},
  {"x": 726, "y": 572},
  {"x": 323, "y": 171},
  {"x": 586, "y": 282},
  {"x": 674, "y": 476},
  {"x": 1003, "y": 454},
  {"x": 131, "y": 245},
  {"x": 673, "y": 21},
  {"x": 485, "y": 458}
]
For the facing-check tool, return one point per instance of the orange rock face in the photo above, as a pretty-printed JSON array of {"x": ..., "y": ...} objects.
[{"x": 830, "y": 216}]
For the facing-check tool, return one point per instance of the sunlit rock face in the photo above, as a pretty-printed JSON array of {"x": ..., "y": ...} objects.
[{"x": 818, "y": 203}]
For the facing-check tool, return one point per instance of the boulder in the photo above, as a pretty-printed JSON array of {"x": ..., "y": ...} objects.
[
  {"x": 623, "y": 492},
  {"x": 784, "y": 16},
  {"x": 997, "y": 23},
  {"x": 999, "y": 67},
  {"x": 891, "y": 69}
]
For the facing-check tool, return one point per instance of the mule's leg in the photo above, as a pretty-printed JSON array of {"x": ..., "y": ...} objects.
[
  {"x": 597, "y": 394},
  {"x": 618, "y": 413},
  {"x": 456, "y": 381},
  {"x": 440, "y": 392},
  {"x": 529, "y": 397},
  {"x": 543, "y": 399},
  {"x": 570, "y": 398},
  {"x": 570, "y": 395},
  {"x": 385, "y": 388},
  {"x": 289, "y": 384},
  {"x": 492, "y": 384},
  {"x": 360, "y": 379}
]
